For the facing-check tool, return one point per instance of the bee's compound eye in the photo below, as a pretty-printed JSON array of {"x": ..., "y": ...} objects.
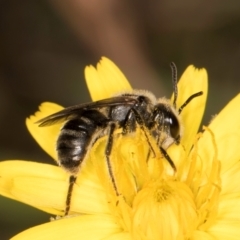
[
  {"x": 164, "y": 117},
  {"x": 174, "y": 126}
]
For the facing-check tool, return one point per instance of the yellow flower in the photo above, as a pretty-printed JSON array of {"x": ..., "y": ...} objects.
[{"x": 200, "y": 201}]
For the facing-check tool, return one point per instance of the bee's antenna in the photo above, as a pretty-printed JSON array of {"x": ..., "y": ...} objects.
[
  {"x": 189, "y": 100},
  {"x": 174, "y": 80}
]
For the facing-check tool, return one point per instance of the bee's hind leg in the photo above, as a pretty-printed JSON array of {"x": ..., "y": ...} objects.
[{"x": 72, "y": 180}]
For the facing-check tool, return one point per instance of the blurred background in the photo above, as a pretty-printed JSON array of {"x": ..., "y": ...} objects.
[{"x": 45, "y": 46}]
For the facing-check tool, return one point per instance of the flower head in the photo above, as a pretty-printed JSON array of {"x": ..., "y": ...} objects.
[{"x": 198, "y": 201}]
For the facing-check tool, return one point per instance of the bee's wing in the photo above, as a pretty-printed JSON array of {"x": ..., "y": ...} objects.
[{"x": 78, "y": 110}]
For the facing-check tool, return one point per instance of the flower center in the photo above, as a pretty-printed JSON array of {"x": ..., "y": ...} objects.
[
  {"x": 154, "y": 203},
  {"x": 164, "y": 210},
  {"x": 162, "y": 194}
]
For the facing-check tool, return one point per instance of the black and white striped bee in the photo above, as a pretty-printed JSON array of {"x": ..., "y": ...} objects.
[{"x": 85, "y": 123}]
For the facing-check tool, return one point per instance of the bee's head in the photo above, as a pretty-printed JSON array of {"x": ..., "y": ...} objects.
[{"x": 166, "y": 121}]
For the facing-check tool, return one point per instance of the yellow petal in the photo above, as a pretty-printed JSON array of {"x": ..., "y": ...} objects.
[
  {"x": 224, "y": 229},
  {"x": 45, "y": 136},
  {"x": 105, "y": 80},
  {"x": 91, "y": 227},
  {"x": 12, "y": 171},
  {"x": 16, "y": 168},
  {"x": 192, "y": 81},
  {"x": 119, "y": 236},
  {"x": 230, "y": 178},
  {"x": 45, "y": 187},
  {"x": 226, "y": 128},
  {"x": 229, "y": 207},
  {"x": 200, "y": 235}
]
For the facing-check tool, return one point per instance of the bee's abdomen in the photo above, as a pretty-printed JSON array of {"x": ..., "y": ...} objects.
[{"x": 73, "y": 143}]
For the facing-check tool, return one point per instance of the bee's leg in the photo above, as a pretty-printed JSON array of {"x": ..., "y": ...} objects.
[
  {"x": 142, "y": 127},
  {"x": 170, "y": 161},
  {"x": 128, "y": 127},
  {"x": 72, "y": 180},
  {"x": 108, "y": 151}
]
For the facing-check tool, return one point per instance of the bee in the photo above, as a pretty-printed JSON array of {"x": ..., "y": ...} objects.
[{"x": 84, "y": 124}]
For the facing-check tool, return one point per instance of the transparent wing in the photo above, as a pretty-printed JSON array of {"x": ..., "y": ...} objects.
[{"x": 78, "y": 110}]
